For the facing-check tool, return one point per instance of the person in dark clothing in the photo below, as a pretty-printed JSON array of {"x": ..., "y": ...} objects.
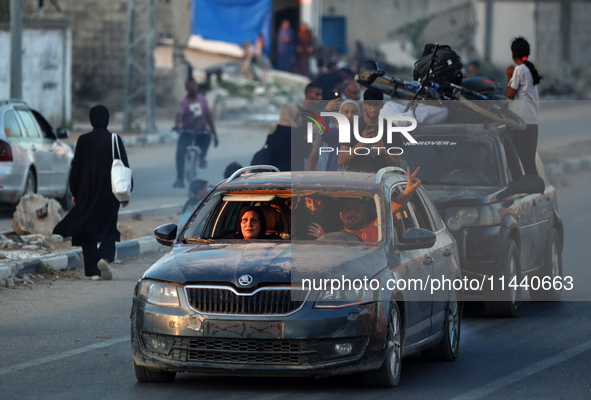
[
  {"x": 231, "y": 168},
  {"x": 93, "y": 219},
  {"x": 329, "y": 80}
]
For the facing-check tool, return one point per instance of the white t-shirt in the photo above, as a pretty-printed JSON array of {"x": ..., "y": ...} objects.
[{"x": 526, "y": 101}]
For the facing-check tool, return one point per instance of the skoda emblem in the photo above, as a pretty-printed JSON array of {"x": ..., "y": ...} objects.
[{"x": 245, "y": 280}]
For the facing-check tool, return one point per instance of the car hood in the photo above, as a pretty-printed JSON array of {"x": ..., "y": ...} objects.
[
  {"x": 445, "y": 196},
  {"x": 267, "y": 262}
]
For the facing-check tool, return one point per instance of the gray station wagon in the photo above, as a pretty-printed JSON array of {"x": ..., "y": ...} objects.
[{"x": 218, "y": 303}]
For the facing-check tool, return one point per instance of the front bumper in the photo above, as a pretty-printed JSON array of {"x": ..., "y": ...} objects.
[
  {"x": 479, "y": 249},
  {"x": 308, "y": 342}
]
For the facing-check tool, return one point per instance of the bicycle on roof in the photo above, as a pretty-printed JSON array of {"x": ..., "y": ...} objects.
[{"x": 438, "y": 77}]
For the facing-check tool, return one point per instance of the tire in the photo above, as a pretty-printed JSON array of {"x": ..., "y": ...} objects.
[
  {"x": 491, "y": 110},
  {"x": 146, "y": 375},
  {"x": 505, "y": 303},
  {"x": 552, "y": 268},
  {"x": 30, "y": 183},
  {"x": 388, "y": 375},
  {"x": 449, "y": 346}
]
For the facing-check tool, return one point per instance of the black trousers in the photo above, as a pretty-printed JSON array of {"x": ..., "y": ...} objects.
[
  {"x": 92, "y": 255},
  {"x": 526, "y": 143},
  {"x": 202, "y": 141}
]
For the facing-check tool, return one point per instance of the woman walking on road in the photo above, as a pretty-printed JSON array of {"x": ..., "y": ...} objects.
[{"x": 93, "y": 219}]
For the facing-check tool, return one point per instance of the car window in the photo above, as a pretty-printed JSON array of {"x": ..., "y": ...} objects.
[
  {"x": 46, "y": 130},
  {"x": 11, "y": 126},
  {"x": 461, "y": 161},
  {"x": 412, "y": 215},
  {"x": 302, "y": 215},
  {"x": 31, "y": 127},
  {"x": 430, "y": 208}
]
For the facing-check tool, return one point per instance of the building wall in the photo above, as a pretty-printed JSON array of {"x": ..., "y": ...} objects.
[
  {"x": 46, "y": 73},
  {"x": 99, "y": 40},
  {"x": 371, "y": 20}
]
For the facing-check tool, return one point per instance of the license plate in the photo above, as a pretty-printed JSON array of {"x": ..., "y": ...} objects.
[{"x": 243, "y": 329}]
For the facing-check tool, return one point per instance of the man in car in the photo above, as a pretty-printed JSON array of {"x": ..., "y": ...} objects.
[
  {"x": 193, "y": 115},
  {"x": 354, "y": 216}
]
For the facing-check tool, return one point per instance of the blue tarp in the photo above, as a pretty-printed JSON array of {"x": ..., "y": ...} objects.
[{"x": 233, "y": 21}]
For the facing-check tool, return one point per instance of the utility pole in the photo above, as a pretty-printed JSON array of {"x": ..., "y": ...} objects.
[
  {"x": 16, "y": 49},
  {"x": 488, "y": 29},
  {"x": 139, "y": 64}
]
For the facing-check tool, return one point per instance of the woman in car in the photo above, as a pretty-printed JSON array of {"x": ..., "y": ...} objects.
[{"x": 251, "y": 221}]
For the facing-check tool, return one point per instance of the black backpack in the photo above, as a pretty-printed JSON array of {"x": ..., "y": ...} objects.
[{"x": 446, "y": 67}]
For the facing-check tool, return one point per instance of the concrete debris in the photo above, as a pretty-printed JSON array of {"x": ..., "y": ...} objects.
[
  {"x": 10, "y": 283},
  {"x": 27, "y": 220}
]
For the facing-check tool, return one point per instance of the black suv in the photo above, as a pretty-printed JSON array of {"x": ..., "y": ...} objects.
[{"x": 506, "y": 223}]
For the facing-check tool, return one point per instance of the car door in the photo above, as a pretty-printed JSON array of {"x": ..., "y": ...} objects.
[
  {"x": 40, "y": 151},
  {"x": 526, "y": 208},
  {"x": 441, "y": 253},
  {"x": 60, "y": 156},
  {"x": 13, "y": 173},
  {"x": 416, "y": 267}
]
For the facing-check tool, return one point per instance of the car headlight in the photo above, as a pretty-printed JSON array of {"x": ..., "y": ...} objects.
[
  {"x": 343, "y": 297},
  {"x": 159, "y": 294},
  {"x": 463, "y": 217}
]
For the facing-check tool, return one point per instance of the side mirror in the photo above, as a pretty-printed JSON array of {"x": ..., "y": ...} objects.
[
  {"x": 417, "y": 238},
  {"x": 166, "y": 234},
  {"x": 528, "y": 184},
  {"x": 62, "y": 133}
]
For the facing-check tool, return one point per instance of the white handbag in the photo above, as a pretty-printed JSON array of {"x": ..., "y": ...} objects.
[{"x": 120, "y": 174}]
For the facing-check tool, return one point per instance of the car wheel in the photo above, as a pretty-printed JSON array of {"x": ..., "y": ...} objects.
[
  {"x": 30, "y": 183},
  {"x": 504, "y": 301},
  {"x": 144, "y": 374},
  {"x": 552, "y": 269},
  {"x": 389, "y": 373},
  {"x": 449, "y": 346}
]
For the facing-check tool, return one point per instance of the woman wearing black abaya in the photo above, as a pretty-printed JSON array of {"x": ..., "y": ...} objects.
[{"x": 93, "y": 219}]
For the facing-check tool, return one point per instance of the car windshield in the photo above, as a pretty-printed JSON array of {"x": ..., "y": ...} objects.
[
  {"x": 307, "y": 215},
  {"x": 462, "y": 161}
]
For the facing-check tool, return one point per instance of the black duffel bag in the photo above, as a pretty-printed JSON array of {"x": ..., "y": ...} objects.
[{"x": 446, "y": 67}]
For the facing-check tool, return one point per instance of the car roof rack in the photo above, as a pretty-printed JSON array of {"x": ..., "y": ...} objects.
[
  {"x": 383, "y": 171},
  {"x": 266, "y": 168},
  {"x": 11, "y": 101}
]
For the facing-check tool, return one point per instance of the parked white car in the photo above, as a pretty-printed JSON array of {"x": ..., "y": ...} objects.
[{"x": 32, "y": 157}]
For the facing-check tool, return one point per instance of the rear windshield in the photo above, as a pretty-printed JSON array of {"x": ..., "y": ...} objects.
[{"x": 454, "y": 161}]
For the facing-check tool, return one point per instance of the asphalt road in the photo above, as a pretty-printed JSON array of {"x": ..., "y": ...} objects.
[{"x": 70, "y": 340}]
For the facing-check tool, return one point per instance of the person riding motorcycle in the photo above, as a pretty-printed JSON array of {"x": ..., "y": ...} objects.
[{"x": 193, "y": 115}]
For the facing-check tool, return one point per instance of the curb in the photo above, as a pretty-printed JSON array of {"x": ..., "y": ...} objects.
[
  {"x": 73, "y": 258},
  {"x": 568, "y": 166},
  {"x": 132, "y": 140}
]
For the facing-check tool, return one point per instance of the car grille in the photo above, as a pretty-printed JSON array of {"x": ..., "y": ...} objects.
[
  {"x": 224, "y": 300},
  {"x": 255, "y": 351}
]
